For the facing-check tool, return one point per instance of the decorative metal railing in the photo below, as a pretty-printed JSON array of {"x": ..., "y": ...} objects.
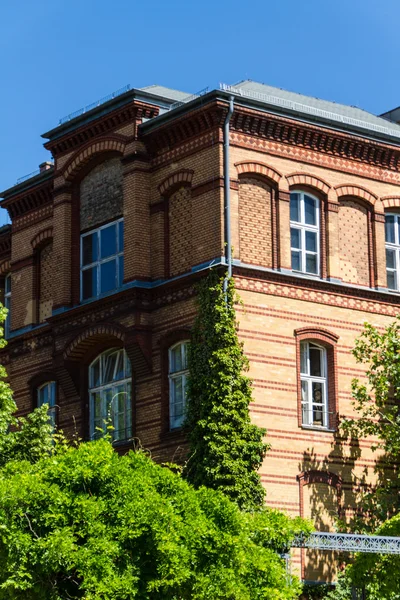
[
  {"x": 311, "y": 110},
  {"x": 189, "y": 98},
  {"x": 349, "y": 542},
  {"x": 103, "y": 100},
  {"x": 26, "y": 177}
]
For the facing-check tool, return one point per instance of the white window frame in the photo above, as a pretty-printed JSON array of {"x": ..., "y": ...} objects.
[
  {"x": 176, "y": 421},
  {"x": 100, "y": 261},
  {"x": 308, "y": 405},
  {"x": 7, "y": 304},
  {"x": 395, "y": 247},
  {"x": 303, "y": 227},
  {"x": 103, "y": 389},
  {"x": 52, "y": 389}
]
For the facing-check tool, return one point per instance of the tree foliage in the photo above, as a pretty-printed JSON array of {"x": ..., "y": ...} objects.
[
  {"x": 87, "y": 523},
  {"x": 226, "y": 449},
  {"x": 79, "y": 521},
  {"x": 377, "y": 402},
  {"x": 20, "y": 437}
]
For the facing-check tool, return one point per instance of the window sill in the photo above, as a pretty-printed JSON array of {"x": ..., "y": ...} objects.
[{"x": 317, "y": 428}]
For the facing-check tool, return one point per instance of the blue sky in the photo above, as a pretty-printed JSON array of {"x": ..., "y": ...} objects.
[{"x": 56, "y": 56}]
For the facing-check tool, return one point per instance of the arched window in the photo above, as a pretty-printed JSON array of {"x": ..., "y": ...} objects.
[
  {"x": 313, "y": 375},
  {"x": 110, "y": 394},
  {"x": 177, "y": 373},
  {"x": 304, "y": 233},
  {"x": 46, "y": 394},
  {"x": 7, "y": 303},
  {"x": 392, "y": 237}
]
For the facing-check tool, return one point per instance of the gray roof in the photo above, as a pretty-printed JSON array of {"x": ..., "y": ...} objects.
[
  {"x": 314, "y": 107},
  {"x": 164, "y": 92}
]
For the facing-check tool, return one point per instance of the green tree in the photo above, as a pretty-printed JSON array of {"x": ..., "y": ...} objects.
[
  {"x": 20, "y": 437},
  {"x": 79, "y": 521},
  {"x": 87, "y": 523},
  {"x": 376, "y": 401},
  {"x": 226, "y": 449}
]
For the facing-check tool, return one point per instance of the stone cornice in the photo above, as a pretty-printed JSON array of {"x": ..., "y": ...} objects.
[
  {"x": 101, "y": 126},
  {"x": 317, "y": 138},
  {"x": 5, "y": 244},
  {"x": 268, "y": 127},
  {"x": 29, "y": 200},
  {"x": 189, "y": 126}
]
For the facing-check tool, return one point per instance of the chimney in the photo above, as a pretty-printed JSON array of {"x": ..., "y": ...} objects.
[{"x": 45, "y": 166}]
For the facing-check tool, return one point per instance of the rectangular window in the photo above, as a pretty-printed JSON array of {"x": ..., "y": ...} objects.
[
  {"x": 102, "y": 260},
  {"x": 313, "y": 375},
  {"x": 392, "y": 238},
  {"x": 178, "y": 372},
  {"x": 304, "y": 233},
  {"x": 46, "y": 394}
]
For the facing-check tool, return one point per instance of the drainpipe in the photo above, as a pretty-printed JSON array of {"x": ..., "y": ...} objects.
[{"x": 227, "y": 198}]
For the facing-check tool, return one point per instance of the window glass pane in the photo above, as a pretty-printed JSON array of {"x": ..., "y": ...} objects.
[
  {"x": 296, "y": 260},
  {"x": 121, "y": 270},
  {"x": 311, "y": 241},
  {"x": 184, "y": 355},
  {"x": 120, "y": 430},
  {"x": 52, "y": 417},
  {"x": 310, "y": 212},
  {"x": 119, "y": 367},
  {"x": 391, "y": 280},
  {"x": 311, "y": 264},
  {"x": 43, "y": 396},
  {"x": 315, "y": 362},
  {"x": 128, "y": 367},
  {"x": 390, "y": 259},
  {"x": 109, "y": 363},
  {"x": 121, "y": 236},
  {"x": 108, "y": 394},
  {"x": 108, "y": 276},
  {"x": 295, "y": 207},
  {"x": 176, "y": 362},
  {"x": 295, "y": 238},
  {"x": 177, "y": 390},
  {"x": 305, "y": 405},
  {"x": 94, "y": 380},
  {"x": 318, "y": 403},
  {"x": 303, "y": 359},
  {"x": 89, "y": 283},
  {"x": 8, "y": 284},
  {"x": 52, "y": 393},
  {"x": 108, "y": 241},
  {"x": 120, "y": 398},
  {"x": 89, "y": 249},
  {"x": 389, "y": 229}
]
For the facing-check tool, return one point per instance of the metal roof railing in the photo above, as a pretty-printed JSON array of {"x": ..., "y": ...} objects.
[
  {"x": 311, "y": 110},
  {"x": 189, "y": 98},
  {"x": 26, "y": 177},
  {"x": 103, "y": 100}
]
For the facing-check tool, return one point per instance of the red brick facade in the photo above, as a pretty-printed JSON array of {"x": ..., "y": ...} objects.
[{"x": 165, "y": 178}]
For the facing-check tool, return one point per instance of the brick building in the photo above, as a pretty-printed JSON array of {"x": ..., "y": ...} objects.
[{"x": 100, "y": 263}]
